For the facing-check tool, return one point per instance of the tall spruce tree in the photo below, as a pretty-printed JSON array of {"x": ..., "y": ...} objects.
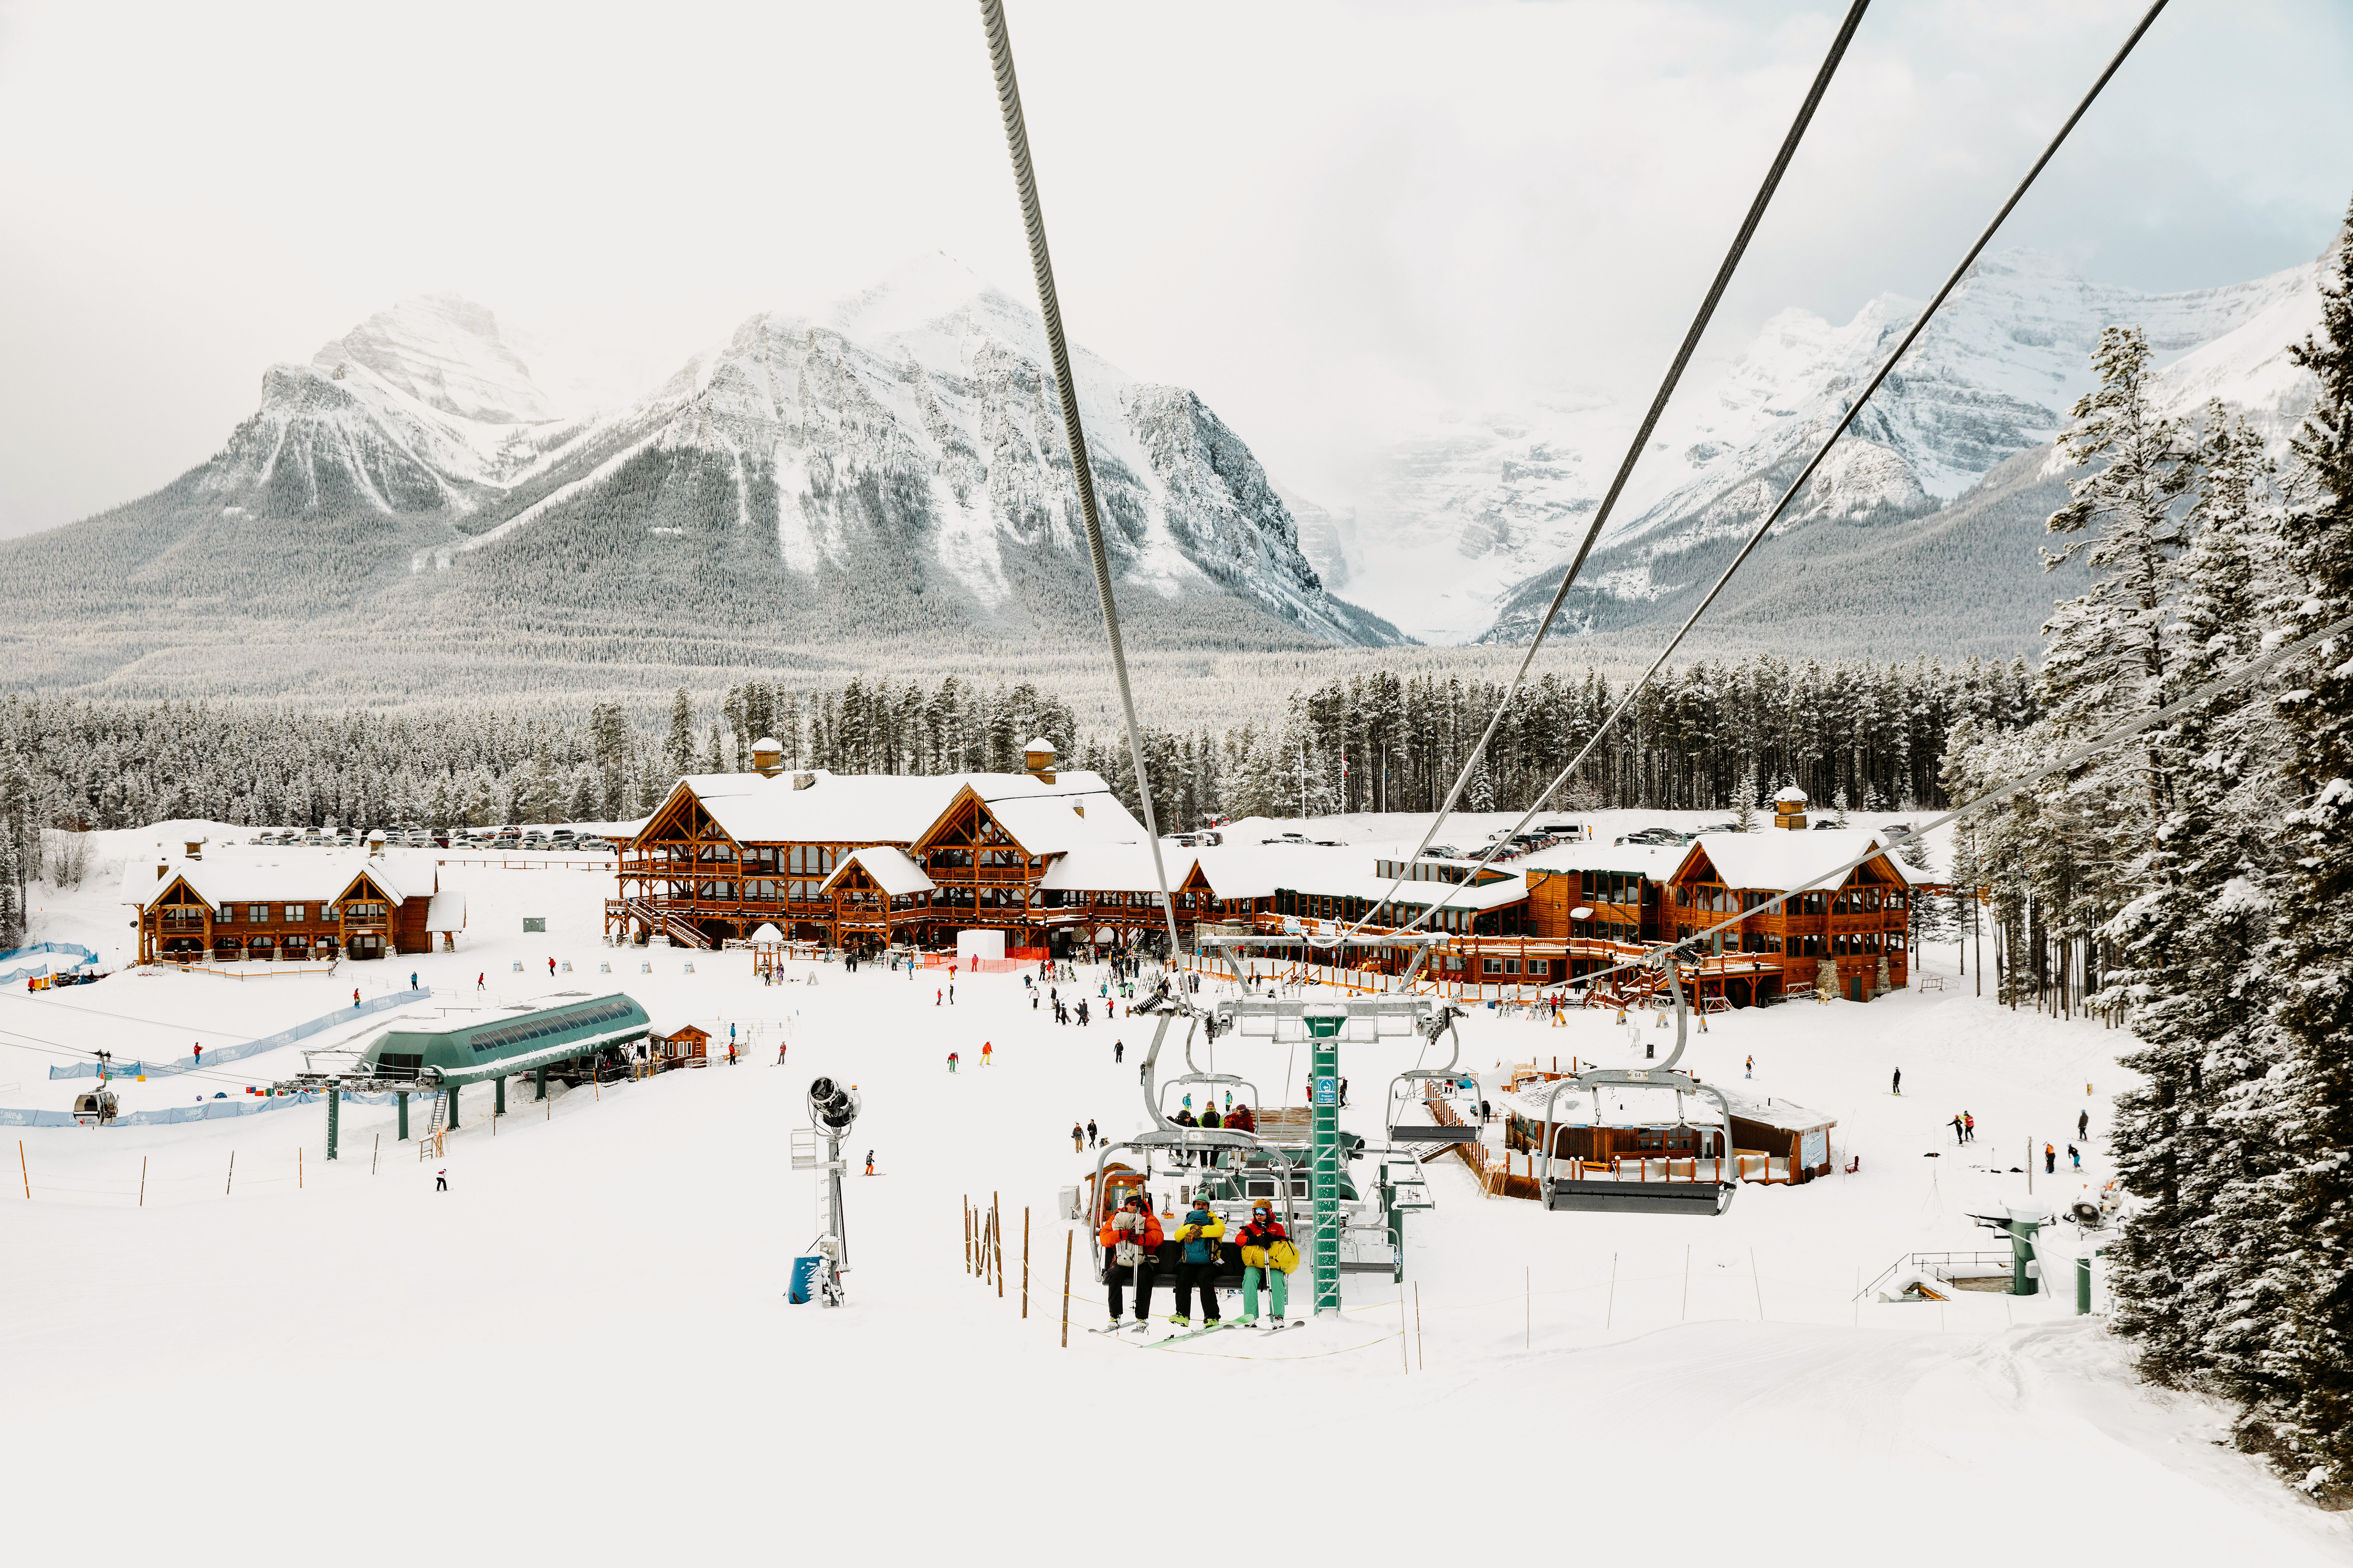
[{"x": 2305, "y": 1417}]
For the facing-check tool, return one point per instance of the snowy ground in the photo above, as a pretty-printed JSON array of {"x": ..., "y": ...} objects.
[{"x": 583, "y": 1347}]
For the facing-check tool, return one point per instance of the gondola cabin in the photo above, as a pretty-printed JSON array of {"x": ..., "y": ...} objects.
[{"x": 95, "y": 1108}]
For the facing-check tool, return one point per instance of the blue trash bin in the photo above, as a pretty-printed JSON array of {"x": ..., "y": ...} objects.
[{"x": 804, "y": 1285}]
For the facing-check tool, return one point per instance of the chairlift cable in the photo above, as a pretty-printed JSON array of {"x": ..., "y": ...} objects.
[
  {"x": 1650, "y": 417},
  {"x": 2122, "y": 732},
  {"x": 1042, "y": 263},
  {"x": 1886, "y": 368}
]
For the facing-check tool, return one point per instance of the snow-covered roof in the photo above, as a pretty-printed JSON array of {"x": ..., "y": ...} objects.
[
  {"x": 768, "y": 744},
  {"x": 767, "y": 934},
  {"x": 1790, "y": 793},
  {"x": 1777, "y": 859},
  {"x": 1039, "y": 743},
  {"x": 897, "y": 808},
  {"x": 226, "y": 876},
  {"x": 1656, "y": 862},
  {"x": 892, "y": 870},
  {"x": 445, "y": 912},
  {"x": 1773, "y": 1111},
  {"x": 1048, "y": 825},
  {"x": 1257, "y": 870},
  {"x": 1117, "y": 868},
  {"x": 1661, "y": 1105},
  {"x": 1616, "y": 1105}
]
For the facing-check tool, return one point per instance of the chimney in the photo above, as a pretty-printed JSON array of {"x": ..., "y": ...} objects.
[
  {"x": 768, "y": 756},
  {"x": 1038, "y": 757},
  {"x": 195, "y": 849},
  {"x": 1789, "y": 809},
  {"x": 376, "y": 845}
]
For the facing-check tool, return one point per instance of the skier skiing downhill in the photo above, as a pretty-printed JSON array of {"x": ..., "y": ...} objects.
[
  {"x": 1895, "y": 1084},
  {"x": 985, "y": 1050},
  {"x": 952, "y": 1061}
]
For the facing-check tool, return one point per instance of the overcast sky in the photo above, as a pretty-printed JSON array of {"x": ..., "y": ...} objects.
[{"x": 1337, "y": 222}]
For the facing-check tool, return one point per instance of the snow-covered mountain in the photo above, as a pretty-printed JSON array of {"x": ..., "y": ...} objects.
[
  {"x": 892, "y": 465},
  {"x": 1467, "y": 531}
]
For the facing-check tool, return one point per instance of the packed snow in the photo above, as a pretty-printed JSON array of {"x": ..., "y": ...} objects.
[{"x": 582, "y": 1346}]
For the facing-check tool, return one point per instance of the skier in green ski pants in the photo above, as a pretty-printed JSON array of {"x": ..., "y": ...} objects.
[{"x": 1258, "y": 1239}]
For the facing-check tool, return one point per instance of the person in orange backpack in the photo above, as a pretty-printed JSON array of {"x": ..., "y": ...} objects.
[{"x": 1131, "y": 1240}]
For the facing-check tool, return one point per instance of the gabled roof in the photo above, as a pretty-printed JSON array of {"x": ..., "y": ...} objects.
[
  {"x": 299, "y": 875},
  {"x": 896, "y": 809},
  {"x": 890, "y": 869},
  {"x": 1776, "y": 859}
]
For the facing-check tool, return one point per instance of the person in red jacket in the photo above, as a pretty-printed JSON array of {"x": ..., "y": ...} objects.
[{"x": 1131, "y": 1240}]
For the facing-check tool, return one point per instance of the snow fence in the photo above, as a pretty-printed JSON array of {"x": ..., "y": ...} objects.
[
  {"x": 81, "y": 957},
  {"x": 319, "y": 1025},
  {"x": 209, "y": 1110}
]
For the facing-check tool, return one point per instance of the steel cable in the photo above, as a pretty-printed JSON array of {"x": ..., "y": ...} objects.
[
  {"x": 1853, "y": 409},
  {"x": 1650, "y": 417},
  {"x": 2121, "y": 733},
  {"x": 1042, "y": 263}
]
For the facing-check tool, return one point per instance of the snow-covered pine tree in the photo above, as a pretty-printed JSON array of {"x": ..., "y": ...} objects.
[
  {"x": 679, "y": 753},
  {"x": 2187, "y": 939},
  {"x": 2305, "y": 1415}
]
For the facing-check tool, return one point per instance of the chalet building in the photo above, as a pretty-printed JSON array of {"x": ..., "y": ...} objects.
[
  {"x": 863, "y": 860},
  {"x": 1604, "y": 901},
  {"x": 1851, "y": 938},
  {"x": 232, "y": 907}
]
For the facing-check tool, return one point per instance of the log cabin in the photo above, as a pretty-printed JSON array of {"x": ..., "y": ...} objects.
[{"x": 232, "y": 907}]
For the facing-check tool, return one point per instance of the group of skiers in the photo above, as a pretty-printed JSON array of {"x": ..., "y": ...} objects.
[
  {"x": 1237, "y": 1117},
  {"x": 1132, "y": 1239}
]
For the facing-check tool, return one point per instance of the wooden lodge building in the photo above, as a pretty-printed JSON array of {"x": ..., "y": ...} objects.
[
  {"x": 297, "y": 906},
  {"x": 866, "y": 861},
  {"x": 1054, "y": 858}
]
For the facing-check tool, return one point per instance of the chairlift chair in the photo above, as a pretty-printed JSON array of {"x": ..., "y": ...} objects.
[
  {"x": 1705, "y": 1197},
  {"x": 1429, "y": 1133}
]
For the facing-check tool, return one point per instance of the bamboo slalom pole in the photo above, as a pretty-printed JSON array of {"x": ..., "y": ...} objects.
[{"x": 24, "y": 1170}]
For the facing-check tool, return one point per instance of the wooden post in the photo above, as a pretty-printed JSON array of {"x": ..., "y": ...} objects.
[
  {"x": 1025, "y": 1262},
  {"x": 374, "y": 1153},
  {"x": 142, "y": 1181},
  {"x": 997, "y": 1242},
  {"x": 298, "y": 1167},
  {"x": 231, "y": 1185},
  {"x": 24, "y": 1170},
  {"x": 1070, "y": 1238},
  {"x": 968, "y": 1235}
]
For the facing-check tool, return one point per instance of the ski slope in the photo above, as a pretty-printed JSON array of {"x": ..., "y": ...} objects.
[{"x": 581, "y": 1350}]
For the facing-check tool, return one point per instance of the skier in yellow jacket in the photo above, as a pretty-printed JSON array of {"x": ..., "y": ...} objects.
[{"x": 1259, "y": 1241}]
